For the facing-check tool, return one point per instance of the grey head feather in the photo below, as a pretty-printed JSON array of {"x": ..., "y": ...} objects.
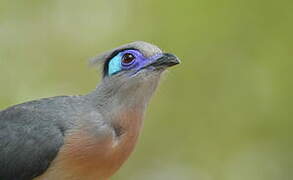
[{"x": 147, "y": 49}]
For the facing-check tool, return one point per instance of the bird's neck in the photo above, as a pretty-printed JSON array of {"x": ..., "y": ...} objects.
[{"x": 125, "y": 97}]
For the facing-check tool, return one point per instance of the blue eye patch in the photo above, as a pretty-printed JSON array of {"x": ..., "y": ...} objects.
[{"x": 114, "y": 65}]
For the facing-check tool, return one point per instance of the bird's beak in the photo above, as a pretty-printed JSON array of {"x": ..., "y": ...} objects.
[{"x": 166, "y": 60}]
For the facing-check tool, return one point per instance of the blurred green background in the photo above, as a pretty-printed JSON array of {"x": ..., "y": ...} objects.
[{"x": 224, "y": 114}]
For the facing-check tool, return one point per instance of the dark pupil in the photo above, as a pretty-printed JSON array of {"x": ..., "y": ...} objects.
[{"x": 127, "y": 58}]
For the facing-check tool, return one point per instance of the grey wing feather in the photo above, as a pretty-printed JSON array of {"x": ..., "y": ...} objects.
[{"x": 30, "y": 138}]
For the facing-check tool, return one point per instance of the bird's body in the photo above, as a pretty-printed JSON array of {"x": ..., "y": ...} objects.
[{"x": 78, "y": 137}]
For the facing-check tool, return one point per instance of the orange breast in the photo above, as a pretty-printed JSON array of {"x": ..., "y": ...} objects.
[{"x": 87, "y": 157}]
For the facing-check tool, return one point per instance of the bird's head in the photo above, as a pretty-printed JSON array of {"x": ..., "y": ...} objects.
[{"x": 134, "y": 69}]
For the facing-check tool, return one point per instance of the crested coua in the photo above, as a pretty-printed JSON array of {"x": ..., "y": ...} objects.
[{"x": 84, "y": 137}]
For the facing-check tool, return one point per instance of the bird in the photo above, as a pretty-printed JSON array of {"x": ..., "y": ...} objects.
[{"x": 84, "y": 137}]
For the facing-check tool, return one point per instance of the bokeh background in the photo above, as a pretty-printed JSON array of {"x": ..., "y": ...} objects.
[{"x": 224, "y": 114}]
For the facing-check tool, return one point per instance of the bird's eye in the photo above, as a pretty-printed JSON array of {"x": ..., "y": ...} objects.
[{"x": 127, "y": 59}]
